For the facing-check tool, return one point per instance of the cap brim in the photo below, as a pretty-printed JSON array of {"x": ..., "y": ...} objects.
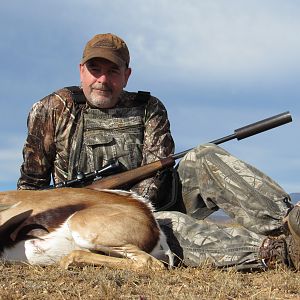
[{"x": 100, "y": 53}]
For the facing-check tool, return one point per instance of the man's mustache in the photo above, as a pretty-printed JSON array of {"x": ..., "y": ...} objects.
[{"x": 101, "y": 86}]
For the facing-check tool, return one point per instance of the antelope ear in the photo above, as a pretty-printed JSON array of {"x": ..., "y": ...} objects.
[{"x": 8, "y": 228}]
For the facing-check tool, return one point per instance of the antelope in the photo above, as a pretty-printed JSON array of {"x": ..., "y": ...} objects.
[{"x": 68, "y": 226}]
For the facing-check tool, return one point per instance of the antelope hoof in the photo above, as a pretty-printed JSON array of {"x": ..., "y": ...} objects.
[
  {"x": 66, "y": 261},
  {"x": 155, "y": 265}
]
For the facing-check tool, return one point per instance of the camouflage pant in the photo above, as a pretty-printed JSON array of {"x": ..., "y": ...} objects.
[{"x": 211, "y": 178}]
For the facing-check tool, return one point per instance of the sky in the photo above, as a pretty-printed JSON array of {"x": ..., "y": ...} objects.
[{"x": 217, "y": 65}]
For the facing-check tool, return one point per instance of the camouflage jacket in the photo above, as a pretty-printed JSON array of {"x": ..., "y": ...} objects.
[{"x": 66, "y": 136}]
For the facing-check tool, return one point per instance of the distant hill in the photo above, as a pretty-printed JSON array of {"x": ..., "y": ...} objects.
[{"x": 295, "y": 197}]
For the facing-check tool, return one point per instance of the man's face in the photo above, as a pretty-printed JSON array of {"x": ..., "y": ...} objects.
[{"x": 103, "y": 81}]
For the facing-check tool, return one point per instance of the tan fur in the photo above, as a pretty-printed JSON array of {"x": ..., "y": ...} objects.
[{"x": 113, "y": 223}]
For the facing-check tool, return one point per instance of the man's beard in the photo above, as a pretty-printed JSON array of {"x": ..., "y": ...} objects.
[{"x": 104, "y": 99}]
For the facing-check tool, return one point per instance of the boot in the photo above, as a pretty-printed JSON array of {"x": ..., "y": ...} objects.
[
  {"x": 274, "y": 251},
  {"x": 284, "y": 249},
  {"x": 293, "y": 223}
]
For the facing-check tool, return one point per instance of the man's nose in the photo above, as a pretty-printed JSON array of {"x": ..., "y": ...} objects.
[{"x": 103, "y": 77}]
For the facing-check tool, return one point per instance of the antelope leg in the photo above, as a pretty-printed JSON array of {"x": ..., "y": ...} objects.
[{"x": 138, "y": 259}]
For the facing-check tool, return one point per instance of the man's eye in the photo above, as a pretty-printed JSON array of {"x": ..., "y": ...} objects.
[
  {"x": 115, "y": 71},
  {"x": 95, "y": 69}
]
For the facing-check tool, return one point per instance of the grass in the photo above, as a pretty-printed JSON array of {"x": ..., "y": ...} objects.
[{"x": 28, "y": 282}]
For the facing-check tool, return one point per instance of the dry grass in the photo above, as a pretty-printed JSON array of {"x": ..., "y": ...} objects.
[{"x": 27, "y": 282}]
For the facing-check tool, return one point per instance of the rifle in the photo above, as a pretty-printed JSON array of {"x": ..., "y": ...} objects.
[
  {"x": 112, "y": 167},
  {"x": 122, "y": 179}
]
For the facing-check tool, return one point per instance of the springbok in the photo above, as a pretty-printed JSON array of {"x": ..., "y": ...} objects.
[{"x": 109, "y": 228}]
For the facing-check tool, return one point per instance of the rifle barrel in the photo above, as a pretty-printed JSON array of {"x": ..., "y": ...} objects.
[{"x": 249, "y": 130}]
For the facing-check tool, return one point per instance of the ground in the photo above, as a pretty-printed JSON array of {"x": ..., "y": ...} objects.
[{"x": 88, "y": 282}]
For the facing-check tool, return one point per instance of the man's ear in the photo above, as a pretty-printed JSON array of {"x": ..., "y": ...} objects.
[
  {"x": 127, "y": 75},
  {"x": 81, "y": 71}
]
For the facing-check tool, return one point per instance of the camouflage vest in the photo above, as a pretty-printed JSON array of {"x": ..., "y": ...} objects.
[
  {"x": 105, "y": 134},
  {"x": 117, "y": 133}
]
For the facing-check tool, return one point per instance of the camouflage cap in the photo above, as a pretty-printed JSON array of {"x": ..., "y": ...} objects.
[{"x": 108, "y": 46}]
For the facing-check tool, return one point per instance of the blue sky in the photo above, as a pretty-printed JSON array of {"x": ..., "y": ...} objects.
[{"x": 216, "y": 65}]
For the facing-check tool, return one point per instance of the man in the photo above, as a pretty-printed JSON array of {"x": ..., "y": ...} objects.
[{"x": 81, "y": 129}]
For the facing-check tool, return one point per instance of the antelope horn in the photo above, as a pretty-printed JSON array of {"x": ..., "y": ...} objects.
[{"x": 6, "y": 206}]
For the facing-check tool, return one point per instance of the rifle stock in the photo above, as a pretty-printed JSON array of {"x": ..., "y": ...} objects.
[{"x": 133, "y": 176}]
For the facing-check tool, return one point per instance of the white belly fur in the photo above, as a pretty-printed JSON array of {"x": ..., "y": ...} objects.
[{"x": 44, "y": 251}]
